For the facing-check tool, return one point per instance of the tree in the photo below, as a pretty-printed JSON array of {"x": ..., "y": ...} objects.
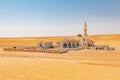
[{"x": 79, "y": 35}]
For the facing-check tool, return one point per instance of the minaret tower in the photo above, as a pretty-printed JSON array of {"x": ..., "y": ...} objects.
[{"x": 85, "y": 30}]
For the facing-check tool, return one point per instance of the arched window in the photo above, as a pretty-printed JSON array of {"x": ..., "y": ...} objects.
[
  {"x": 83, "y": 39},
  {"x": 89, "y": 44}
]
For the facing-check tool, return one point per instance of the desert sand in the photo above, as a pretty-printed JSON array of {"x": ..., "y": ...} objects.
[{"x": 73, "y": 65}]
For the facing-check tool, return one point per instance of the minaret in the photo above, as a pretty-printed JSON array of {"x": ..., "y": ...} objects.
[{"x": 85, "y": 30}]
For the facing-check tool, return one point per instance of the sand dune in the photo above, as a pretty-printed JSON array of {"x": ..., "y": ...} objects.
[
  {"x": 74, "y": 65},
  {"x": 57, "y": 69}
]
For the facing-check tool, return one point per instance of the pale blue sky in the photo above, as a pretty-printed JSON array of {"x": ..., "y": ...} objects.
[{"x": 25, "y": 18}]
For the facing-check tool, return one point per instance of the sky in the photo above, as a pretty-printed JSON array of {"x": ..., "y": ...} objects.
[{"x": 35, "y": 18}]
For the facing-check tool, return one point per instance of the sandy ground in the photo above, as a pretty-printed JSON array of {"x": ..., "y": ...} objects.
[{"x": 74, "y": 65}]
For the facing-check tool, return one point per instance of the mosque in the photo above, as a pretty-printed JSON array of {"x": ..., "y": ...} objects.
[
  {"x": 65, "y": 45},
  {"x": 75, "y": 43}
]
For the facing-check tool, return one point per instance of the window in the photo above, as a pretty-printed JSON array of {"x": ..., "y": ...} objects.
[{"x": 83, "y": 39}]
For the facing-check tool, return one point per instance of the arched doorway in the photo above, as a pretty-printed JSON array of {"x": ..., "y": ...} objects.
[
  {"x": 77, "y": 44},
  {"x": 69, "y": 45},
  {"x": 65, "y": 45},
  {"x": 73, "y": 45}
]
